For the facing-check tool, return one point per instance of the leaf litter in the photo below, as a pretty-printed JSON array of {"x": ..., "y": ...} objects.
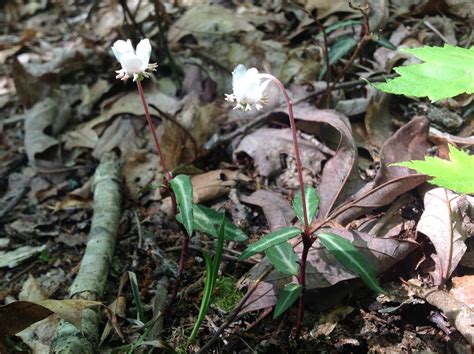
[{"x": 61, "y": 108}]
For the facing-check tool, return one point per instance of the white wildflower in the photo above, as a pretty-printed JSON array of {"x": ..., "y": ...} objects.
[
  {"x": 248, "y": 86},
  {"x": 134, "y": 63}
]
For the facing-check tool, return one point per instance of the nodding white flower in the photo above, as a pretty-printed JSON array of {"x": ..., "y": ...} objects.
[
  {"x": 248, "y": 88},
  {"x": 135, "y": 63}
]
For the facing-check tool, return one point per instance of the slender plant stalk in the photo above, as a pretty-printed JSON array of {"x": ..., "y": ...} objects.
[
  {"x": 295, "y": 145},
  {"x": 151, "y": 125},
  {"x": 307, "y": 240},
  {"x": 168, "y": 177}
]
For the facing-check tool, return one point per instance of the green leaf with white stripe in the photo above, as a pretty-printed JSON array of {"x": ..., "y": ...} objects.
[
  {"x": 270, "y": 240},
  {"x": 183, "y": 190},
  {"x": 208, "y": 221},
  {"x": 283, "y": 258},
  {"x": 312, "y": 204},
  {"x": 286, "y": 298},
  {"x": 351, "y": 258}
]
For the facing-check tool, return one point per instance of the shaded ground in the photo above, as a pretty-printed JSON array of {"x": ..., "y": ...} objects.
[{"x": 62, "y": 111}]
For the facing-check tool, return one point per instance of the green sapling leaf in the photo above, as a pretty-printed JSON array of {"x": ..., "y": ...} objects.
[
  {"x": 312, "y": 204},
  {"x": 283, "y": 258},
  {"x": 286, "y": 298},
  {"x": 446, "y": 72},
  {"x": 351, "y": 258},
  {"x": 270, "y": 240},
  {"x": 456, "y": 174},
  {"x": 183, "y": 190}
]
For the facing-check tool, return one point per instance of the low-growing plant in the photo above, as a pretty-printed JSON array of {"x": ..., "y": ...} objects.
[
  {"x": 248, "y": 91},
  {"x": 135, "y": 64}
]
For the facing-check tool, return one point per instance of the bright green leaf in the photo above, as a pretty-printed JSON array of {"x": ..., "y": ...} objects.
[
  {"x": 343, "y": 46},
  {"x": 446, "y": 72},
  {"x": 312, "y": 204},
  {"x": 208, "y": 221},
  {"x": 183, "y": 190},
  {"x": 351, "y": 258},
  {"x": 270, "y": 240},
  {"x": 283, "y": 258},
  {"x": 286, "y": 298},
  {"x": 456, "y": 174}
]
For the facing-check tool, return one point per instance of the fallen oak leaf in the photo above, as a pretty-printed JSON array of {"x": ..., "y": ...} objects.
[{"x": 19, "y": 315}]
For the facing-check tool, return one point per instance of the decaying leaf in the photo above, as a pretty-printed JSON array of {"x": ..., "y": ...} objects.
[
  {"x": 440, "y": 219},
  {"x": 266, "y": 146},
  {"x": 18, "y": 315},
  {"x": 42, "y": 124}
]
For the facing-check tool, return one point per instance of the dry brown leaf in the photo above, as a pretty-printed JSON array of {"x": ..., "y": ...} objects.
[
  {"x": 440, "y": 219},
  {"x": 463, "y": 289},
  {"x": 18, "y": 315},
  {"x": 43, "y": 122},
  {"x": 340, "y": 177},
  {"x": 208, "y": 22},
  {"x": 214, "y": 184},
  {"x": 266, "y": 146}
]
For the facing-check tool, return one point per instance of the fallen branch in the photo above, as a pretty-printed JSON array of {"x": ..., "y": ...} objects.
[
  {"x": 457, "y": 312},
  {"x": 92, "y": 276}
]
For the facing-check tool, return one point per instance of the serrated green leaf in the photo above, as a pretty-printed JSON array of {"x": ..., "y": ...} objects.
[
  {"x": 270, "y": 240},
  {"x": 286, "y": 298},
  {"x": 183, "y": 190},
  {"x": 342, "y": 46},
  {"x": 446, "y": 72},
  {"x": 351, "y": 258},
  {"x": 456, "y": 174},
  {"x": 312, "y": 204},
  {"x": 208, "y": 220},
  {"x": 283, "y": 258}
]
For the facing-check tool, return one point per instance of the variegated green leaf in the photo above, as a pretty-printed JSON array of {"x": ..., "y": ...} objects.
[
  {"x": 183, "y": 190},
  {"x": 351, "y": 258},
  {"x": 284, "y": 258},
  {"x": 207, "y": 220},
  {"x": 270, "y": 240},
  {"x": 286, "y": 298},
  {"x": 312, "y": 204}
]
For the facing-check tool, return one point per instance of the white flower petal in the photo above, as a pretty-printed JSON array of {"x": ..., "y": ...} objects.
[
  {"x": 144, "y": 52},
  {"x": 122, "y": 47},
  {"x": 248, "y": 88},
  {"x": 131, "y": 63}
]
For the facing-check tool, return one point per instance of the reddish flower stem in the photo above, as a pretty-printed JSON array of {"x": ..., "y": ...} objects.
[
  {"x": 168, "y": 177},
  {"x": 295, "y": 145},
  {"x": 151, "y": 125},
  {"x": 307, "y": 240}
]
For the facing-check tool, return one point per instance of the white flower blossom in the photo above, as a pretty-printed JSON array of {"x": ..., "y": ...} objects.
[
  {"x": 134, "y": 63},
  {"x": 248, "y": 88}
]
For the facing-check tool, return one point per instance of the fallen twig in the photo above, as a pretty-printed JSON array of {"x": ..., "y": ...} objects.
[
  {"x": 91, "y": 278},
  {"x": 457, "y": 312}
]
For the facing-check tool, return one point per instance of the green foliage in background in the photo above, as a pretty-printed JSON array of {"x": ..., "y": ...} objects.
[
  {"x": 446, "y": 72},
  {"x": 456, "y": 174}
]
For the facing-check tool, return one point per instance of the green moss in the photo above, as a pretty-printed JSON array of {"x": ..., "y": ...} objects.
[{"x": 226, "y": 295}]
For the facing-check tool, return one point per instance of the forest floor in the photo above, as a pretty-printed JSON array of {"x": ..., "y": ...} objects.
[{"x": 63, "y": 112}]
